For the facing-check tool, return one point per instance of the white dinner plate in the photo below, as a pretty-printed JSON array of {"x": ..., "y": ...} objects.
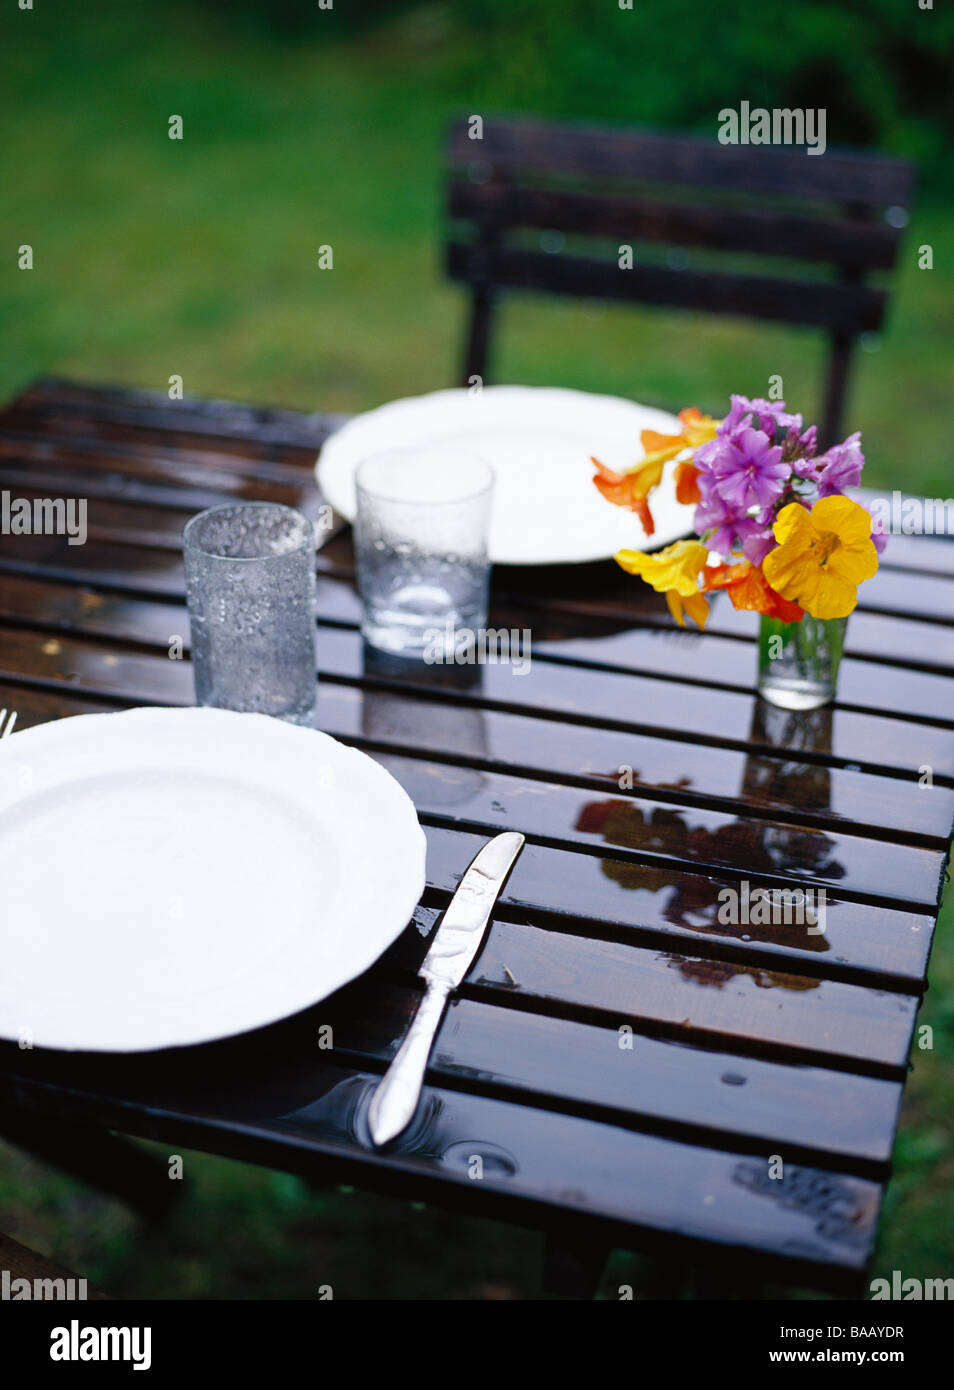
[
  {"x": 538, "y": 441},
  {"x": 170, "y": 876}
]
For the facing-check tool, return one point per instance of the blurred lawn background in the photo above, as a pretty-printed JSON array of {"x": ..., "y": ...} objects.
[{"x": 305, "y": 127}]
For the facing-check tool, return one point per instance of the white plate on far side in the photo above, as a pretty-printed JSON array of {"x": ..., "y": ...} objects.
[
  {"x": 538, "y": 440},
  {"x": 170, "y": 876}
]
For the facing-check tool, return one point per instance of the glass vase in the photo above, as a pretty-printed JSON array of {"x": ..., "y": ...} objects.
[{"x": 798, "y": 662}]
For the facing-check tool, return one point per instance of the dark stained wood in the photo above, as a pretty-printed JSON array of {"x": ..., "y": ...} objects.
[
  {"x": 661, "y": 768},
  {"x": 748, "y": 1040},
  {"x": 646, "y": 1083},
  {"x": 627, "y": 902},
  {"x": 609, "y": 698},
  {"x": 504, "y": 205},
  {"x": 248, "y": 428},
  {"x": 129, "y": 474},
  {"x": 651, "y": 156},
  {"x": 748, "y": 1007},
  {"x": 654, "y": 833},
  {"x": 539, "y": 1167},
  {"x": 119, "y": 511},
  {"x": 753, "y": 1010},
  {"x": 639, "y": 900},
  {"x": 848, "y": 309}
]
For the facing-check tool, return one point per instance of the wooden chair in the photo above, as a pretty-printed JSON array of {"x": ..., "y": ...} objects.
[{"x": 523, "y": 184}]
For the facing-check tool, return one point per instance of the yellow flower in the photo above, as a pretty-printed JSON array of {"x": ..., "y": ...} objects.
[
  {"x": 822, "y": 555},
  {"x": 675, "y": 573}
]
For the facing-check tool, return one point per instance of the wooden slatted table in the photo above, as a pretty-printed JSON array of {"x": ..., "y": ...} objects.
[{"x": 646, "y": 776}]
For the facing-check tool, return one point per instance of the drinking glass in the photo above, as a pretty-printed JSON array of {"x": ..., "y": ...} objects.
[
  {"x": 250, "y": 587},
  {"x": 420, "y": 535}
]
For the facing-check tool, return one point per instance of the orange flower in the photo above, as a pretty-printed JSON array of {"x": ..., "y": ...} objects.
[
  {"x": 748, "y": 589},
  {"x": 696, "y": 429},
  {"x": 630, "y": 489},
  {"x": 822, "y": 555},
  {"x": 687, "y": 483}
]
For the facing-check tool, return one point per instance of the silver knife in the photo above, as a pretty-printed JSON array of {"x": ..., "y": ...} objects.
[{"x": 452, "y": 952}]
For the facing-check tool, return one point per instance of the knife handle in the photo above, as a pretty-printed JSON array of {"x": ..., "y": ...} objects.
[{"x": 395, "y": 1100}]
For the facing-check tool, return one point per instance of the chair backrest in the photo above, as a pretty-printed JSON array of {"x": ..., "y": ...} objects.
[{"x": 552, "y": 208}]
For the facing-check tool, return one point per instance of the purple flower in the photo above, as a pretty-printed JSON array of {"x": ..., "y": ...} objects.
[
  {"x": 731, "y": 529},
  {"x": 769, "y": 414},
  {"x": 744, "y": 469},
  {"x": 841, "y": 467},
  {"x": 756, "y": 540},
  {"x": 714, "y": 514},
  {"x": 801, "y": 448}
]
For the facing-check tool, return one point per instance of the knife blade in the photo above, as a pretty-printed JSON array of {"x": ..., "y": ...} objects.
[{"x": 458, "y": 939}]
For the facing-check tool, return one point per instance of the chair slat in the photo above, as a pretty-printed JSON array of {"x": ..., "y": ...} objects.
[
  {"x": 607, "y": 152},
  {"x": 850, "y": 309},
  {"x": 499, "y": 206}
]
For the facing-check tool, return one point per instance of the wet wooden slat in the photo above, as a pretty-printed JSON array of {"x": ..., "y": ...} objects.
[
  {"x": 747, "y": 1008},
  {"x": 662, "y": 834},
  {"x": 656, "y": 832},
  {"x": 753, "y": 1010},
  {"x": 58, "y": 480},
  {"x": 159, "y": 478},
  {"x": 604, "y": 760},
  {"x": 680, "y": 911},
  {"x": 597, "y": 697},
  {"x": 51, "y": 400},
  {"x": 692, "y": 713},
  {"x": 699, "y": 659},
  {"x": 711, "y": 659},
  {"x": 115, "y": 514},
  {"x": 813, "y": 1225},
  {"x": 655, "y": 1084},
  {"x": 627, "y": 900},
  {"x": 609, "y": 758}
]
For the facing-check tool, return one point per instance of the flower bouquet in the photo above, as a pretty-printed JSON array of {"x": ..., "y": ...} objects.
[{"x": 775, "y": 531}]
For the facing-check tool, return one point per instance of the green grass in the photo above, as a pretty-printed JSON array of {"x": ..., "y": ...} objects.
[{"x": 199, "y": 258}]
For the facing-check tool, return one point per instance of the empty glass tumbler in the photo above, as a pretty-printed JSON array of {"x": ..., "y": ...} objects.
[
  {"x": 421, "y": 533},
  {"x": 250, "y": 586}
]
